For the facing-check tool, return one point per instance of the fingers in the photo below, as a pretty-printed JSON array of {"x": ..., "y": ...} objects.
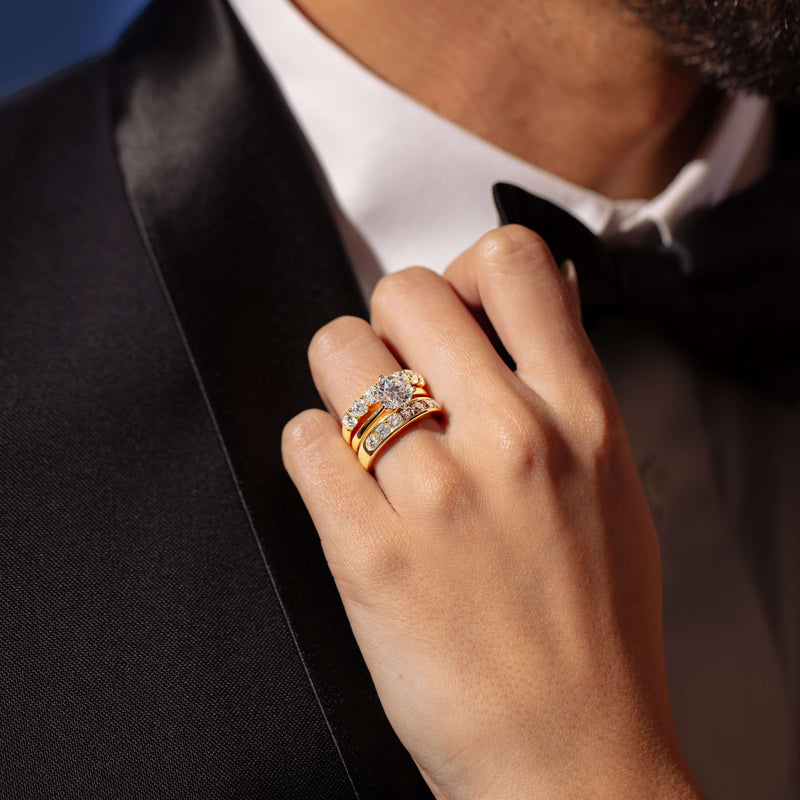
[
  {"x": 346, "y": 356},
  {"x": 425, "y": 321},
  {"x": 532, "y": 306},
  {"x": 357, "y": 526},
  {"x": 420, "y": 321}
]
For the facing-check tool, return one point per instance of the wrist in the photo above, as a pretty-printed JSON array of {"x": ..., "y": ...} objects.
[
  {"x": 665, "y": 779},
  {"x": 661, "y": 776}
]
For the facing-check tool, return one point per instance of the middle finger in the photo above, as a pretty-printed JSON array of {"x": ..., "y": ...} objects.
[{"x": 421, "y": 317}]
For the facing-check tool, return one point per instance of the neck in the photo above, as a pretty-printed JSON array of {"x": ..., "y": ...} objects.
[{"x": 576, "y": 87}]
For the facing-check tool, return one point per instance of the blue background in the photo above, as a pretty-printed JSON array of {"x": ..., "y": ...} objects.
[{"x": 38, "y": 37}]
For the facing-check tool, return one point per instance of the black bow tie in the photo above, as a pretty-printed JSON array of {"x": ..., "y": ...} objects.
[{"x": 728, "y": 287}]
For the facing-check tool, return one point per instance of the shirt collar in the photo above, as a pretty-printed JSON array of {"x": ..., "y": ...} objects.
[{"x": 416, "y": 187}]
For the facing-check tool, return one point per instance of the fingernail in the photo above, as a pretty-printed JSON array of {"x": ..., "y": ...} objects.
[{"x": 567, "y": 268}]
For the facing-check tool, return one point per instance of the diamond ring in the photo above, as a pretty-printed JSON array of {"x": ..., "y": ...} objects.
[
  {"x": 390, "y": 392},
  {"x": 383, "y": 410}
]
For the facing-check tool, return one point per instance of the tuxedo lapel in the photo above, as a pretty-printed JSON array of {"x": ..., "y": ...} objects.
[
  {"x": 251, "y": 262},
  {"x": 249, "y": 258}
]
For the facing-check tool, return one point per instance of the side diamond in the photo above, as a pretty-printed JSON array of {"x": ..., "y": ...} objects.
[
  {"x": 349, "y": 421},
  {"x": 372, "y": 442},
  {"x": 414, "y": 377},
  {"x": 360, "y": 407}
]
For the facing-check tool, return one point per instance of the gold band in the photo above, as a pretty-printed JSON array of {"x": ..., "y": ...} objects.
[{"x": 384, "y": 425}]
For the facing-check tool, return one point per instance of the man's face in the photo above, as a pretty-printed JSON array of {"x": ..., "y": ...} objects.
[{"x": 736, "y": 44}]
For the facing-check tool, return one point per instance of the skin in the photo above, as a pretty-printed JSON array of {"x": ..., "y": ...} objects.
[
  {"x": 500, "y": 569},
  {"x": 535, "y": 77}
]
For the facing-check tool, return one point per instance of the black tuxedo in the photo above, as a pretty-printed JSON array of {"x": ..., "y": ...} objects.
[{"x": 169, "y": 627}]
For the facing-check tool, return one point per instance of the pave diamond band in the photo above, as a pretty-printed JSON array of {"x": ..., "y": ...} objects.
[{"x": 388, "y": 423}]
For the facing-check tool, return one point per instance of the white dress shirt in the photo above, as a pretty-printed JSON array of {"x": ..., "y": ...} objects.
[
  {"x": 417, "y": 188},
  {"x": 410, "y": 187}
]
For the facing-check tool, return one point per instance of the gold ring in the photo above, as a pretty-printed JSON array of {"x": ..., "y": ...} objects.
[
  {"x": 389, "y": 392},
  {"x": 387, "y": 424}
]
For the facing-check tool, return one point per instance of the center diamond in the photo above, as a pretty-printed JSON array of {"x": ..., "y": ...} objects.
[{"x": 393, "y": 391}]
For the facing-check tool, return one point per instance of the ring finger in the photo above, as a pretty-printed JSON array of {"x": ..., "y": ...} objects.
[{"x": 346, "y": 357}]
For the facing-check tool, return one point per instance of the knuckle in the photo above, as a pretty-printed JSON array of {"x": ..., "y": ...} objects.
[
  {"x": 442, "y": 487},
  {"x": 515, "y": 429},
  {"x": 511, "y": 248},
  {"x": 395, "y": 287},
  {"x": 304, "y": 432},
  {"x": 527, "y": 444},
  {"x": 336, "y": 336},
  {"x": 376, "y": 557},
  {"x": 601, "y": 426}
]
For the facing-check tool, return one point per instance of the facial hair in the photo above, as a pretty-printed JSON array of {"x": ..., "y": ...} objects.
[{"x": 736, "y": 45}]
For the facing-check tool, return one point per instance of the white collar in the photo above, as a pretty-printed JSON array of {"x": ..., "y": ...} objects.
[{"x": 416, "y": 187}]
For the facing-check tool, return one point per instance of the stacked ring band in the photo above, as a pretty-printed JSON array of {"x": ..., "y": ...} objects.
[
  {"x": 390, "y": 423},
  {"x": 384, "y": 409}
]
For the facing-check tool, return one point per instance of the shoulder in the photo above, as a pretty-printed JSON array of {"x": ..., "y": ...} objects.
[
  {"x": 54, "y": 114},
  {"x": 58, "y": 170},
  {"x": 56, "y": 155}
]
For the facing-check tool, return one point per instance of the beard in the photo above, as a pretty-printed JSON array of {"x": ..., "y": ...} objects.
[{"x": 736, "y": 45}]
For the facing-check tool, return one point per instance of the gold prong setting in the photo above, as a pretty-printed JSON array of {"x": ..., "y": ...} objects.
[
  {"x": 358, "y": 411},
  {"x": 384, "y": 408},
  {"x": 391, "y": 391}
]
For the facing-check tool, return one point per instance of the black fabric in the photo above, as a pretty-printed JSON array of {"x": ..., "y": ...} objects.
[
  {"x": 254, "y": 266},
  {"x": 728, "y": 287},
  {"x": 169, "y": 626}
]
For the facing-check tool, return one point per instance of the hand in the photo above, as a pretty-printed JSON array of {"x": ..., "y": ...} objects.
[{"x": 501, "y": 569}]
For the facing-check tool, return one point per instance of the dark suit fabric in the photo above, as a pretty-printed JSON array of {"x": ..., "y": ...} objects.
[{"x": 169, "y": 627}]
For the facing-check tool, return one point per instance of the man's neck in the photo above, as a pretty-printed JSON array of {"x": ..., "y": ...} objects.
[{"x": 576, "y": 87}]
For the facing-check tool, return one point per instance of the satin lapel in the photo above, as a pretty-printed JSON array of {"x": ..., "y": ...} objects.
[{"x": 251, "y": 261}]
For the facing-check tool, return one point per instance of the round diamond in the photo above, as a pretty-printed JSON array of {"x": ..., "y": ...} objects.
[
  {"x": 372, "y": 442},
  {"x": 369, "y": 395},
  {"x": 350, "y": 420},
  {"x": 394, "y": 420},
  {"x": 393, "y": 391},
  {"x": 406, "y": 412},
  {"x": 360, "y": 407},
  {"x": 382, "y": 431}
]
